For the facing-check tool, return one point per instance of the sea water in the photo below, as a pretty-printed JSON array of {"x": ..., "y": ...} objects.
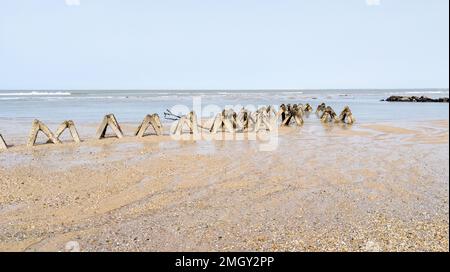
[{"x": 132, "y": 106}]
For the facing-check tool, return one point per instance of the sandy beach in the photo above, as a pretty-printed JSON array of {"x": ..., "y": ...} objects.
[
  {"x": 247, "y": 129},
  {"x": 367, "y": 187}
]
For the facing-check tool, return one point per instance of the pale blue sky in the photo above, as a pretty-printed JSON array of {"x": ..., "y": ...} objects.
[{"x": 232, "y": 44}]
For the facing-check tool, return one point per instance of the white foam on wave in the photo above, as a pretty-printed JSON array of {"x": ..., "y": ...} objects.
[{"x": 36, "y": 94}]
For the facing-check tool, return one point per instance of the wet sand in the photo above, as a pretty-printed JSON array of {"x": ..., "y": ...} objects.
[{"x": 368, "y": 187}]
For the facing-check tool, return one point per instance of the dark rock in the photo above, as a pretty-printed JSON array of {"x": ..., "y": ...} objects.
[{"x": 395, "y": 98}]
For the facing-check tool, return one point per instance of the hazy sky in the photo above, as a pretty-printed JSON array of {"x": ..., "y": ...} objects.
[{"x": 223, "y": 44}]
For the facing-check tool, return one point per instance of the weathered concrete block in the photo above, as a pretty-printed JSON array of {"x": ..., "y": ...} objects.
[
  {"x": 328, "y": 115},
  {"x": 224, "y": 120},
  {"x": 152, "y": 120},
  {"x": 307, "y": 108},
  {"x": 244, "y": 119},
  {"x": 346, "y": 116},
  {"x": 291, "y": 112},
  {"x": 39, "y": 126},
  {"x": 321, "y": 108},
  {"x": 3, "y": 145},
  {"x": 190, "y": 120},
  {"x": 264, "y": 119},
  {"x": 69, "y": 124},
  {"x": 111, "y": 121}
]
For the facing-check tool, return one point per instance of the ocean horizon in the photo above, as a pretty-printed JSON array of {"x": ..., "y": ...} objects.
[{"x": 132, "y": 105}]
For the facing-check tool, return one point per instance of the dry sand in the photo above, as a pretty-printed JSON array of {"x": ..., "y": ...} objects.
[{"x": 372, "y": 187}]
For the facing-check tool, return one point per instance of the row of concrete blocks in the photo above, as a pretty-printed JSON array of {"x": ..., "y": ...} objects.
[
  {"x": 109, "y": 120},
  {"x": 227, "y": 120}
]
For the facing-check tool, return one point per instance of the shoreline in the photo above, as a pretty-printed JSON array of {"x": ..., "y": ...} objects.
[{"x": 87, "y": 132}]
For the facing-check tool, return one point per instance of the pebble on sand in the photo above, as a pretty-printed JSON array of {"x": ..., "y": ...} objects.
[{"x": 72, "y": 246}]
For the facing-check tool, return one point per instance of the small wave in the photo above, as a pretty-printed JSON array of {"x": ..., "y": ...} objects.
[
  {"x": 35, "y": 94},
  {"x": 290, "y": 92},
  {"x": 10, "y": 98}
]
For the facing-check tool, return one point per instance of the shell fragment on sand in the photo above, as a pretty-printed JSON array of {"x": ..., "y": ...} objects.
[
  {"x": 152, "y": 120},
  {"x": 3, "y": 145},
  {"x": 109, "y": 120},
  {"x": 72, "y": 246},
  {"x": 39, "y": 126}
]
